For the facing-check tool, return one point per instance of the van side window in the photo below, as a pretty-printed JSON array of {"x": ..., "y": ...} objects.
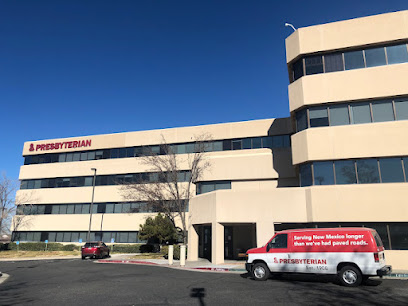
[{"x": 279, "y": 242}]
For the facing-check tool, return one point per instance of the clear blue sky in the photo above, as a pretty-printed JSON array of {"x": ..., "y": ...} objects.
[{"x": 71, "y": 68}]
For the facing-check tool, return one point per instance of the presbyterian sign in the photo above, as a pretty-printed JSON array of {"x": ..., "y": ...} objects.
[{"x": 60, "y": 145}]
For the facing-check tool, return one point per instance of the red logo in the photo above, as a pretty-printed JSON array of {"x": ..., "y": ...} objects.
[{"x": 31, "y": 147}]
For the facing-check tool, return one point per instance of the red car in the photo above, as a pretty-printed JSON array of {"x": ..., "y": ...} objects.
[{"x": 96, "y": 249}]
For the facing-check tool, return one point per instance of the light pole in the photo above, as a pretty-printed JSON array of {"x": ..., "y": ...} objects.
[{"x": 88, "y": 238}]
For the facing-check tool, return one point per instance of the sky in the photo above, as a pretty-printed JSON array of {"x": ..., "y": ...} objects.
[{"x": 75, "y": 68}]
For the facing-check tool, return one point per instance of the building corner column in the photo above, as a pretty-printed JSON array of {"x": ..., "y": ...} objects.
[
  {"x": 217, "y": 241},
  {"x": 192, "y": 249}
]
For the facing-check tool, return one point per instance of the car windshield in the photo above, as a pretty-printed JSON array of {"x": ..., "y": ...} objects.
[
  {"x": 91, "y": 244},
  {"x": 378, "y": 239}
]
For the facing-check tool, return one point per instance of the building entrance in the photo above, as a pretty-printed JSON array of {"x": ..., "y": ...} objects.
[{"x": 204, "y": 241}]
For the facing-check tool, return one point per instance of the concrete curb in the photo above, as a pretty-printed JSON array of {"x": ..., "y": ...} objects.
[
  {"x": 403, "y": 276},
  {"x": 200, "y": 269},
  {"x": 3, "y": 277}
]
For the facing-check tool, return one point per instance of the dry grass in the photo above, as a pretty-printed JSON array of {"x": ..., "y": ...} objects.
[
  {"x": 148, "y": 256},
  {"x": 22, "y": 254}
]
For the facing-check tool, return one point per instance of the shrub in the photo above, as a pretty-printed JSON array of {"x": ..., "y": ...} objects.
[
  {"x": 125, "y": 248},
  {"x": 70, "y": 247},
  {"x": 4, "y": 246},
  {"x": 35, "y": 246}
]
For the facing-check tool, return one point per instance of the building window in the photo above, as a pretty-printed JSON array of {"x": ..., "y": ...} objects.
[
  {"x": 354, "y": 60},
  {"x": 397, "y": 54},
  {"x": 375, "y": 57},
  {"x": 314, "y": 64},
  {"x": 323, "y": 173},
  {"x": 297, "y": 69},
  {"x": 345, "y": 172},
  {"x": 306, "y": 178},
  {"x": 204, "y": 187},
  {"x": 391, "y": 170},
  {"x": 333, "y": 62},
  {"x": 367, "y": 171},
  {"x": 360, "y": 113},
  {"x": 401, "y": 109},
  {"x": 382, "y": 111},
  {"x": 339, "y": 115},
  {"x": 318, "y": 116},
  {"x": 301, "y": 120}
]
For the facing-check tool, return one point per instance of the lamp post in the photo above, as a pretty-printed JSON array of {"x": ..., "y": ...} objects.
[{"x": 88, "y": 238}]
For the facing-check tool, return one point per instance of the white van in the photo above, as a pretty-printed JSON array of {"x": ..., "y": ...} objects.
[{"x": 353, "y": 254}]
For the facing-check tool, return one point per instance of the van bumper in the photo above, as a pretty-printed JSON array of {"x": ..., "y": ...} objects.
[
  {"x": 384, "y": 271},
  {"x": 248, "y": 267}
]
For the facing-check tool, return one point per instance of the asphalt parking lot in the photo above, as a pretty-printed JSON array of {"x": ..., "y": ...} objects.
[{"x": 77, "y": 282}]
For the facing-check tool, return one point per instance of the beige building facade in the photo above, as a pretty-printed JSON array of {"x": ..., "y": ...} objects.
[{"x": 340, "y": 159}]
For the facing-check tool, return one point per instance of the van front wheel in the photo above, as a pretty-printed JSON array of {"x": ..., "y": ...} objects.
[
  {"x": 350, "y": 276},
  {"x": 260, "y": 272}
]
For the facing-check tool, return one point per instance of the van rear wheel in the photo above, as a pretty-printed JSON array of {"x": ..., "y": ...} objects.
[
  {"x": 260, "y": 272},
  {"x": 350, "y": 276}
]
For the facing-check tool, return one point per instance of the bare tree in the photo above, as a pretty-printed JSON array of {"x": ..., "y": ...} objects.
[
  {"x": 171, "y": 188},
  {"x": 9, "y": 204}
]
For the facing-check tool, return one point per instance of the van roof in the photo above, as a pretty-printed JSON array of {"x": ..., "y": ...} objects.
[{"x": 337, "y": 229}]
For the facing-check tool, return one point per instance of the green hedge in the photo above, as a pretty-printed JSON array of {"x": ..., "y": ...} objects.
[
  {"x": 125, "y": 248},
  {"x": 40, "y": 246}
]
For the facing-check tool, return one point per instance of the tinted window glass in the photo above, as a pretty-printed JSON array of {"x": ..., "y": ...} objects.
[
  {"x": 246, "y": 143},
  {"x": 345, "y": 172},
  {"x": 61, "y": 158},
  {"x": 318, "y": 116},
  {"x": 226, "y": 145},
  {"x": 91, "y": 155},
  {"x": 323, "y": 173},
  {"x": 391, "y": 170},
  {"x": 223, "y": 185},
  {"x": 305, "y": 175},
  {"x": 367, "y": 171},
  {"x": 70, "y": 156},
  {"x": 375, "y": 57},
  {"x": 399, "y": 237},
  {"x": 333, "y": 62},
  {"x": 297, "y": 69},
  {"x": 118, "y": 208},
  {"x": 397, "y": 54},
  {"x": 267, "y": 142},
  {"x": 301, "y": 120},
  {"x": 236, "y": 144},
  {"x": 314, "y": 64},
  {"x": 84, "y": 156},
  {"x": 354, "y": 60},
  {"x": 256, "y": 143},
  {"x": 339, "y": 115},
  {"x": 70, "y": 209},
  {"x": 401, "y": 109},
  {"x": 217, "y": 145},
  {"x": 279, "y": 242},
  {"x": 277, "y": 141},
  {"x": 360, "y": 113},
  {"x": 85, "y": 208},
  {"x": 382, "y": 111}
]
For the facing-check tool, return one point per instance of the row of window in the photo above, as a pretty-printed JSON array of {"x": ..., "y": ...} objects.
[
  {"x": 104, "y": 180},
  {"x": 340, "y": 61},
  {"x": 360, "y": 171},
  {"x": 352, "y": 113},
  {"x": 393, "y": 235},
  {"x": 270, "y": 142},
  {"x": 204, "y": 187},
  {"x": 119, "y": 237},
  {"x": 97, "y": 208}
]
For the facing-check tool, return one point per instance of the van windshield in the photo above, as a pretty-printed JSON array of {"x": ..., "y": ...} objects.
[{"x": 378, "y": 240}]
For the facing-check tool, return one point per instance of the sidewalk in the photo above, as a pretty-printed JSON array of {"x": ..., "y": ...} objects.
[{"x": 231, "y": 266}]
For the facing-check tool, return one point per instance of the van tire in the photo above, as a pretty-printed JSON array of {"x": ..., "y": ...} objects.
[
  {"x": 350, "y": 276},
  {"x": 260, "y": 272}
]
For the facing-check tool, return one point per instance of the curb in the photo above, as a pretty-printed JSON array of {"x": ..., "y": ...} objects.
[
  {"x": 403, "y": 276},
  {"x": 3, "y": 277},
  {"x": 139, "y": 262}
]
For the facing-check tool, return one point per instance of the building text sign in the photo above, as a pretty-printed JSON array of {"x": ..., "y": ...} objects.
[{"x": 60, "y": 145}]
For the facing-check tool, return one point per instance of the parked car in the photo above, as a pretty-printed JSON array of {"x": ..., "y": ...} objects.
[
  {"x": 353, "y": 254},
  {"x": 95, "y": 249}
]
